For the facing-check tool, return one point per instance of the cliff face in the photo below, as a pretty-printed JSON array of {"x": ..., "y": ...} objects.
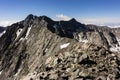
[{"x": 40, "y": 48}]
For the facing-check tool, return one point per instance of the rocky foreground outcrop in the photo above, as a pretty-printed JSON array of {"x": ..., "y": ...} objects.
[{"x": 39, "y": 48}]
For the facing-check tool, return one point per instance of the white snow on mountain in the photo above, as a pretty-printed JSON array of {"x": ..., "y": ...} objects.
[
  {"x": 117, "y": 47},
  {"x": 82, "y": 40},
  {"x": 0, "y": 72},
  {"x": 2, "y": 33},
  {"x": 64, "y": 45},
  {"x": 28, "y": 31},
  {"x": 18, "y": 32}
]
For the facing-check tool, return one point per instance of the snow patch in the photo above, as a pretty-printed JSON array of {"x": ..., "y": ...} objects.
[
  {"x": 118, "y": 41},
  {"x": 46, "y": 49},
  {"x": 21, "y": 39},
  {"x": 117, "y": 47},
  {"x": 18, "y": 72},
  {"x": 64, "y": 45},
  {"x": 0, "y": 72},
  {"x": 2, "y": 33},
  {"x": 28, "y": 31},
  {"x": 15, "y": 76},
  {"x": 18, "y": 32},
  {"x": 82, "y": 40}
]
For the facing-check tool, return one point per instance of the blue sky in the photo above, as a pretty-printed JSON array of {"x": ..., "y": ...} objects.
[{"x": 103, "y": 12}]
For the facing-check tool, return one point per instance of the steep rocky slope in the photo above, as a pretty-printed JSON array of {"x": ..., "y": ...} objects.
[{"x": 39, "y": 48}]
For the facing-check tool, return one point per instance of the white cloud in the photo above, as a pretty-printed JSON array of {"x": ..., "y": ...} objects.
[
  {"x": 62, "y": 17},
  {"x": 112, "y": 22},
  {"x": 7, "y": 23}
]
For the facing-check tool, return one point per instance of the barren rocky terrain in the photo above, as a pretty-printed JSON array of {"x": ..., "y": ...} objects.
[{"x": 39, "y": 48}]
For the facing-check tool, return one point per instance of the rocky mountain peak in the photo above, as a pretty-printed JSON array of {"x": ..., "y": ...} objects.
[
  {"x": 73, "y": 20},
  {"x": 30, "y": 16},
  {"x": 40, "y": 48}
]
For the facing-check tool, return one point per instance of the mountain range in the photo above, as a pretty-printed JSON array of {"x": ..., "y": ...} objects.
[{"x": 39, "y": 48}]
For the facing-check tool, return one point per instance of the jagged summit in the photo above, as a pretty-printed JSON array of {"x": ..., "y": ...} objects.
[
  {"x": 30, "y": 16},
  {"x": 73, "y": 20}
]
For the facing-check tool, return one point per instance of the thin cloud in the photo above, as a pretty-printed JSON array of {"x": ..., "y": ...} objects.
[
  {"x": 100, "y": 21},
  {"x": 62, "y": 17},
  {"x": 6, "y": 23},
  {"x": 111, "y": 22}
]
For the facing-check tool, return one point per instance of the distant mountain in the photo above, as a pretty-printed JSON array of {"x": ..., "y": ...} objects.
[{"x": 39, "y": 48}]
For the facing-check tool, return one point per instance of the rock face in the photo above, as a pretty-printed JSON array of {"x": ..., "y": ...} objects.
[{"x": 39, "y": 48}]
